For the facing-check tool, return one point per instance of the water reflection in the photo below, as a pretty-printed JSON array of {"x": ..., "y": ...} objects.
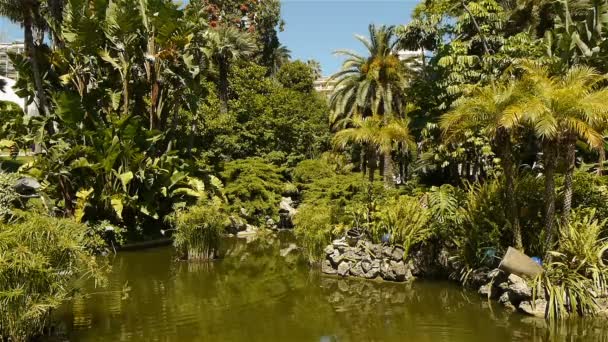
[{"x": 256, "y": 295}]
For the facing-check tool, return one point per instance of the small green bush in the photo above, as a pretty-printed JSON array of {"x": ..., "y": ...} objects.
[
  {"x": 198, "y": 230},
  {"x": 40, "y": 260},
  {"x": 256, "y": 186}
]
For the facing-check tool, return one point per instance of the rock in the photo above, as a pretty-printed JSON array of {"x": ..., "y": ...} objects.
[
  {"x": 387, "y": 252},
  {"x": 26, "y": 186},
  {"x": 518, "y": 289},
  {"x": 357, "y": 270},
  {"x": 397, "y": 253},
  {"x": 249, "y": 231},
  {"x": 485, "y": 290},
  {"x": 327, "y": 268},
  {"x": 366, "y": 265},
  {"x": 340, "y": 245},
  {"x": 343, "y": 268},
  {"x": 400, "y": 270},
  {"x": 498, "y": 276},
  {"x": 351, "y": 255},
  {"x": 286, "y": 213},
  {"x": 286, "y": 251},
  {"x": 536, "y": 310},
  {"x": 286, "y": 205},
  {"x": 335, "y": 258},
  {"x": 373, "y": 273},
  {"x": 236, "y": 224},
  {"x": 387, "y": 272},
  {"x": 505, "y": 300},
  {"x": 270, "y": 223},
  {"x": 478, "y": 277},
  {"x": 329, "y": 250},
  {"x": 244, "y": 212}
]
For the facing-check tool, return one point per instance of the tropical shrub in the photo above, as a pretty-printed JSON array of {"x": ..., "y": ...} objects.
[
  {"x": 41, "y": 259},
  {"x": 484, "y": 229},
  {"x": 198, "y": 230},
  {"x": 254, "y": 185},
  {"x": 405, "y": 220},
  {"x": 577, "y": 273}
]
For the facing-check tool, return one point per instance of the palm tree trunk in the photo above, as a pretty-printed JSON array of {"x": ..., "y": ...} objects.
[
  {"x": 56, "y": 10},
  {"x": 372, "y": 164},
  {"x": 509, "y": 171},
  {"x": 223, "y": 87},
  {"x": 550, "y": 159},
  {"x": 30, "y": 50},
  {"x": 601, "y": 160},
  {"x": 570, "y": 165},
  {"x": 388, "y": 175}
]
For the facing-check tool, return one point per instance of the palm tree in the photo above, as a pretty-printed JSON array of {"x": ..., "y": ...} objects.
[
  {"x": 562, "y": 110},
  {"x": 369, "y": 84},
  {"x": 372, "y": 84},
  {"x": 279, "y": 56},
  {"x": 315, "y": 67},
  {"x": 227, "y": 44},
  {"x": 26, "y": 12},
  {"x": 379, "y": 135},
  {"x": 490, "y": 109}
]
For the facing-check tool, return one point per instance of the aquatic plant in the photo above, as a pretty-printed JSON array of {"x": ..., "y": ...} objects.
[
  {"x": 313, "y": 229},
  {"x": 198, "y": 230},
  {"x": 40, "y": 260}
]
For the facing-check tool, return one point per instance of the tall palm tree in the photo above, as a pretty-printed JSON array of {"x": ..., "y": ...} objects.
[
  {"x": 371, "y": 84},
  {"x": 492, "y": 110},
  {"x": 315, "y": 67},
  {"x": 279, "y": 56},
  {"x": 227, "y": 44},
  {"x": 562, "y": 110},
  {"x": 26, "y": 12},
  {"x": 379, "y": 135}
]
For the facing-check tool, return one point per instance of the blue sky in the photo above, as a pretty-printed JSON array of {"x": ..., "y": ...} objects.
[{"x": 315, "y": 28}]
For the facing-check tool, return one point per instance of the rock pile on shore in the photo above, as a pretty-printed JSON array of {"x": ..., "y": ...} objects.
[{"x": 366, "y": 260}]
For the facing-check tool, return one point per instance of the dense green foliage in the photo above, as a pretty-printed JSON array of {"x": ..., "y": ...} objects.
[
  {"x": 255, "y": 186},
  {"x": 477, "y": 135}
]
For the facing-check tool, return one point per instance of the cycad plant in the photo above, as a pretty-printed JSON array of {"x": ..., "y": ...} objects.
[
  {"x": 379, "y": 136},
  {"x": 493, "y": 110},
  {"x": 563, "y": 109}
]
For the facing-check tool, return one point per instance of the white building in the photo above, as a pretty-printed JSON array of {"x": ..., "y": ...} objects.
[{"x": 6, "y": 67}]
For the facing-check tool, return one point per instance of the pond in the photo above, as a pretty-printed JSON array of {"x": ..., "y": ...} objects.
[{"x": 254, "y": 294}]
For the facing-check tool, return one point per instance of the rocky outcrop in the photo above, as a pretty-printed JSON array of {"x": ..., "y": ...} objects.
[
  {"x": 286, "y": 213},
  {"x": 366, "y": 260}
]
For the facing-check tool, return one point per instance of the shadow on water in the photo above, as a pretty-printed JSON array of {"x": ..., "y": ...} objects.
[{"x": 253, "y": 294}]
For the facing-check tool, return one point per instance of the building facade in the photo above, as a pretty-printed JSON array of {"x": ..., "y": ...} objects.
[{"x": 6, "y": 67}]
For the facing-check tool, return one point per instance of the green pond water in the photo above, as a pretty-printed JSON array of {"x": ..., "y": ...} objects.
[{"x": 254, "y": 294}]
